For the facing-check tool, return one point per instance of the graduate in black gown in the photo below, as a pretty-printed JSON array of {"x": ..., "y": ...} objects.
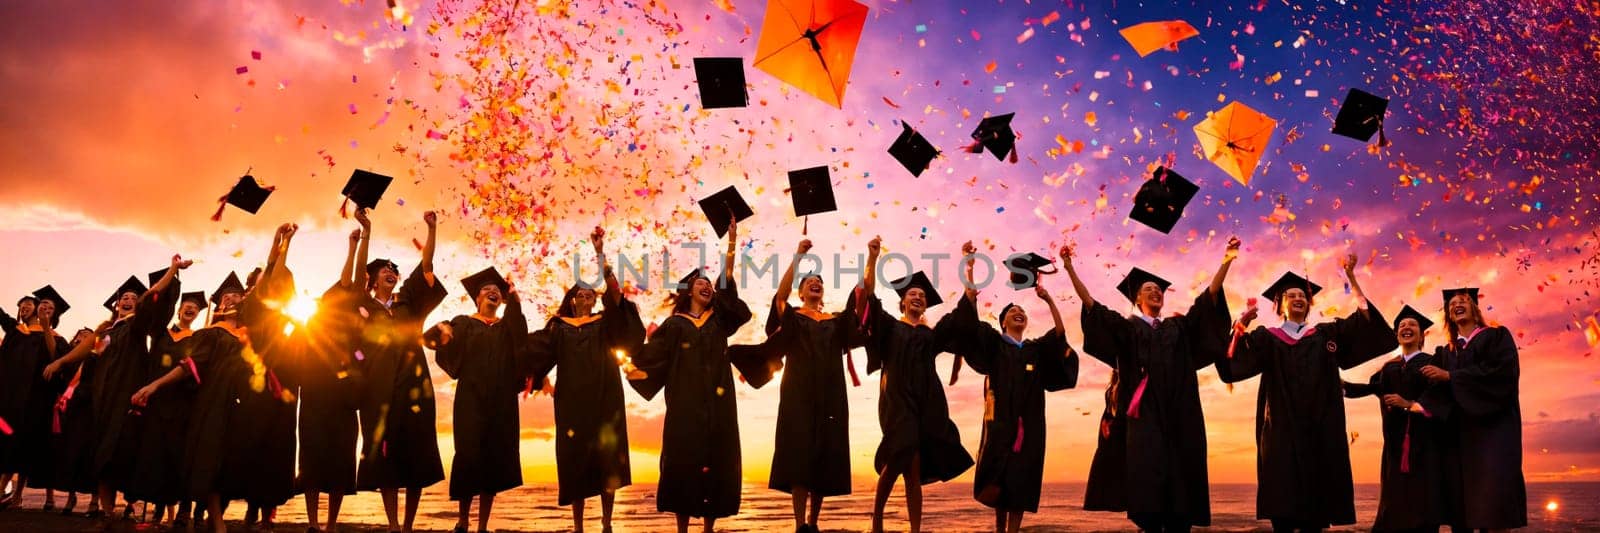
[
  {"x": 1017, "y": 374},
  {"x": 1302, "y": 448},
  {"x": 326, "y": 366},
  {"x": 687, "y": 356},
  {"x": 811, "y": 448},
  {"x": 920, "y": 443},
  {"x": 399, "y": 417},
  {"x": 1479, "y": 373},
  {"x": 1161, "y": 475},
  {"x": 586, "y": 348},
  {"x": 72, "y": 429},
  {"x": 26, "y": 397},
  {"x": 260, "y": 466},
  {"x": 481, "y": 352},
  {"x": 165, "y": 419},
  {"x": 1412, "y": 495}
]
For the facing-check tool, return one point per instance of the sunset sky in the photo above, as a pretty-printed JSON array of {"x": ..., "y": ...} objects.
[{"x": 123, "y": 122}]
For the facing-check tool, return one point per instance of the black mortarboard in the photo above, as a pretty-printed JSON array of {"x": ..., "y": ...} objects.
[
  {"x": 1129, "y": 287},
  {"x": 994, "y": 133},
  {"x": 688, "y": 279},
  {"x": 1161, "y": 199},
  {"x": 1019, "y": 264},
  {"x": 155, "y": 277},
  {"x": 230, "y": 284},
  {"x": 198, "y": 297},
  {"x": 1290, "y": 280},
  {"x": 246, "y": 194},
  {"x": 48, "y": 292},
  {"x": 721, "y": 82},
  {"x": 378, "y": 264},
  {"x": 918, "y": 280},
  {"x": 1407, "y": 312},
  {"x": 724, "y": 208},
  {"x": 812, "y": 191},
  {"x": 1471, "y": 292},
  {"x": 913, "y": 150},
  {"x": 365, "y": 189},
  {"x": 487, "y": 276},
  {"x": 1360, "y": 116},
  {"x": 132, "y": 285}
]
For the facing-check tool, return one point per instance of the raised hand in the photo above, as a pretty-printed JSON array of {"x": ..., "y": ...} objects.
[
  {"x": 1043, "y": 294},
  {"x": 875, "y": 245},
  {"x": 598, "y": 237},
  {"x": 1065, "y": 253},
  {"x": 1249, "y": 316},
  {"x": 445, "y": 333},
  {"x": 805, "y": 246},
  {"x": 363, "y": 219},
  {"x": 431, "y": 219},
  {"x": 1233, "y": 249},
  {"x": 1348, "y": 263},
  {"x": 355, "y": 236}
]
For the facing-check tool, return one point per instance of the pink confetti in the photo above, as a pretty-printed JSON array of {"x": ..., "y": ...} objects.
[
  {"x": 241, "y": 70},
  {"x": 4, "y": 427},
  {"x": 255, "y": 54},
  {"x": 435, "y": 135},
  {"x": 352, "y": 109}
]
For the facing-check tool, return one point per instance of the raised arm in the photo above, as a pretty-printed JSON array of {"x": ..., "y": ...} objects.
[
  {"x": 1055, "y": 314},
  {"x": 1077, "y": 284},
  {"x": 78, "y": 353},
  {"x": 345, "y": 276},
  {"x": 786, "y": 283},
  {"x": 432, "y": 220},
  {"x": 613, "y": 295},
  {"x": 870, "y": 279},
  {"x": 360, "y": 269},
  {"x": 733, "y": 248},
  {"x": 1222, "y": 271},
  {"x": 1349, "y": 264},
  {"x": 178, "y": 263}
]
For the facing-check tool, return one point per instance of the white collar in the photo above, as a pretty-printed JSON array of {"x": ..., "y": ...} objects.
[
  {"x": 1293, "y": 329},
  {"x": 1148, "y": 319},
  {"x": 1407, "y": 357}
]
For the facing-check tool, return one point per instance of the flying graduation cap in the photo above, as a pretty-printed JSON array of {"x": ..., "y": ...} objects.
[
  {"x": 1360, "y": 116},
  {"x": 994, "y": 133},
  {"x": 721, "y": 81},
  {"x": 1020, "y": 265},
  {"x": 811, "y": 189},
  {"x": 365, "y": 189},
  {"x": 1161, "y": 199},
  {"x": 724, "y": 208},
  {"x": 247, "y": 194},
  {"x": 912, "y": 150}
]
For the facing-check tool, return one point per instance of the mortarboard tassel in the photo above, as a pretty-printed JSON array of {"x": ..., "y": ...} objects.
[
  {"x": 850, "y": 363},
  {"x": 1016, "y": 447},
  {"x": 344, "y": 208},
  {"x": 1138, "y": 396},
  {"x": 805, "y": 223},
  {"x": 222, "y": 203},
  {"x": 1383, "y": 140},
  {"x": 1405, "y": 450},
  {"x": 1013, "y": 156}
]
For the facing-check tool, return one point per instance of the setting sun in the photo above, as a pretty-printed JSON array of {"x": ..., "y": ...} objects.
[{"x": 301, "y": 308}]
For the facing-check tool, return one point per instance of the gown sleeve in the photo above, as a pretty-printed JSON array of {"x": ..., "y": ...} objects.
[
  {"x": 976, "y": 341},
  {"x": 1250, "y": 355},
  {"x": 731, "y": 313},
  {"x": 1489, "y": 384},
  {"x": 422, "y": 294},
  {"x": 1208, "y": 327},
  {"x": 154, "y": 311},
  {"x": 621, "y": 326},
  {"x": 870, "y": 329},
  {"x": 8, "y": 324},
  {"x": 1058, "y": 362},
  {"x": 1107, "y": 336},
  {"x": 1361, "y": 337},
  {"x": 655, "y": 359},
  {"x": 538, "y": 353},
  {"x": 758, "y": 363},
  {"x": 1373, "y": 387},
  {"x": 448, "y": 355}
]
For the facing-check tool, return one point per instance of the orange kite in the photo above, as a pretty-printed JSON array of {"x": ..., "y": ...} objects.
[
  {"x": 1234, "y": 138},
  {"x": 1151, "y": 36},
  {"x": 810, "y": 44}
]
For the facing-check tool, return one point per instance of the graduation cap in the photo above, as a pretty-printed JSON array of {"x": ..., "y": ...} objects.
[
  {"x": 197, "y": 297},
  {"x": 132, "y": 285},
  {"x": 48, "y": 293},
  {"x": 994, "y": 133},
  {"x": 812, "y": 192},
  {"x": 724, "y": 208},
  {"x": 1161, "y": 199},
  {"x": 1021, "y": 264},
  {"x": 1136, "y": 278},
  {"x": 1471, "y": 292},
  {"x": 155, "y": 277},
  {"x": 1407, "y": 312},
  {"x": 912, "y": 150},
  {"x": 487, "y": 276},
  {"x": 247, "y": 194},
  {"x": 230, "y": 284},
  {"x": 721, "y": 82},
  {"x": 365, "y": 189},
  {"x": 1290, "y": 280},
  {"x": 1360, "y": 116},
  {"x": 378, "y": 264},
  {"x": 918, "y": 280},
  {"x": 687, "y": 281}
]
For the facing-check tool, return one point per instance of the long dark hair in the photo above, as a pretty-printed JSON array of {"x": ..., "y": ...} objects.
[
  {"x": 683, "y": 300},
  {"x": 1450, "y": 322}
]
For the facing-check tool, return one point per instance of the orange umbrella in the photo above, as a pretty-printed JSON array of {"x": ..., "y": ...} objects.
[
  {"x": 810, "y": 44},
  {"x": 1234, "y": 138},
  {"x": 1151, "y": 36}
]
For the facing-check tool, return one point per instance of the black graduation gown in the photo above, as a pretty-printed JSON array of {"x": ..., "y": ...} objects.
[
  {"x": 913, "y": 415},
  {"x": 1483, "y": 434},
  {"x": 1011, "y": 456},
  {"x": 73, "y": 447},
  {"x": 700, "y": 464},
  {"x": 811, "y": 447},
  {"x": 1412, "y": 494},
  {"x": 1106, "y": 490},
  {"x": 27, "y": 401},
  {"x": 1302, "y": 450},
  {"x": 259, "y": 466},
  {"x": 164, "y": 421},
  {"x": 124, "y": 367},
  {"x": 1164, "y": 437},
  {"x": 215, "y": 355},
  {"x": 484, "y": 360},
  {"x": 328, "y": 395},
  {"x": 399, "y": 418},
  {"x": 591, "y": 416}
]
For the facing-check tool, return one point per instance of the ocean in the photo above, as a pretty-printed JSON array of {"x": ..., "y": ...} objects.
[{"x": 946, "y": 507}]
